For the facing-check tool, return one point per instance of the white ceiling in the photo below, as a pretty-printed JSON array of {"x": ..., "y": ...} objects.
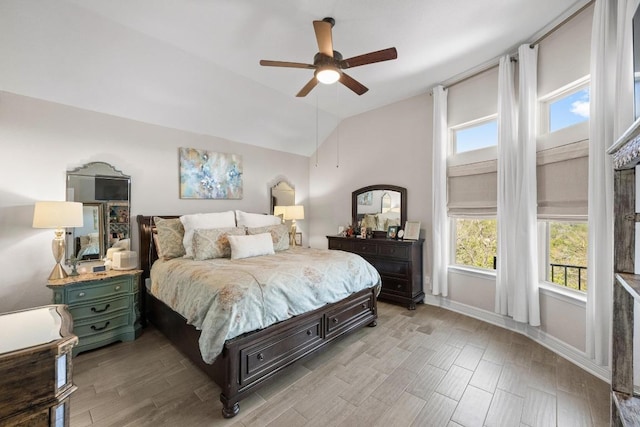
[{"x": 193, "y": 64}]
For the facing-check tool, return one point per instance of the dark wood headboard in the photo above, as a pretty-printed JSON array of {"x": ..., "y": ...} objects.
[{"x": 148, "y": 254}]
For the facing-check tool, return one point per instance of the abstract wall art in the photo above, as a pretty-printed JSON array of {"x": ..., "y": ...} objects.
[{"x": 210, "y": 175}]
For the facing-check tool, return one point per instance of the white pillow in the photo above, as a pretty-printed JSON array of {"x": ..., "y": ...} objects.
[
  {"x": 245, "y": 219},
  {"x": 204, "y": 221},
  {"x": 250, "y": 246}
]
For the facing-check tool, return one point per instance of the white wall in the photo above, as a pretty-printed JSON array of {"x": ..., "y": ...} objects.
[{"x": 41, "y": 140}]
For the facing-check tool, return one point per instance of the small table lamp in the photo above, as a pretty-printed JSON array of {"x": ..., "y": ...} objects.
[
  {"x": 57, "y": 215},
  {"x": 293, "y": 213}
]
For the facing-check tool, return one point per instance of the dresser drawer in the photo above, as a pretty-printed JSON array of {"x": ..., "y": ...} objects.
[
  {"x": 395, "y": 285},
  {"x": 279, "y": 350},
  {"x": 363, "y": 247},
  {"x": 100, "y": 307},
  {"x": 390, "y": 267},
  {"x": 100, "y": 325},
  {"x": 99, "y": 290},
  {"x": 395, "y": 251},
  {"x": 341, "y": 244},
  {"x": 347, "y": 315}
]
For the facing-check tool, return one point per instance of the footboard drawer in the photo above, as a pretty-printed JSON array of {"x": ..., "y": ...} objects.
[
  {"x": 349, "y": 314},
  {"x": 279, "y": 350}
]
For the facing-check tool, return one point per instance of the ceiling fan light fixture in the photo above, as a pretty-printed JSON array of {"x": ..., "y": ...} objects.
[{"x": 327, "y": 75}]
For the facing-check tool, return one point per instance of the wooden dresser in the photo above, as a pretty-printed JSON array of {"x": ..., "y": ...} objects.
[
  {"x": 399, "y": 263},
  {"x": 36, "y": 366},
  {"x": 105, "y": 306}
]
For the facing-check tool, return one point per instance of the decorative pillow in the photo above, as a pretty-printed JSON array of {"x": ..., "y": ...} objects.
[
  {"x": 250, "y": 245},
  {"x": 202, "y": 221},
  {"x": 279, "y": 235},
  {"x": 213, "y": 242},
  {"x": 170, "y": 235},
  {"x": 370, "y": 221},
  {"x": 256, "y": 220}
]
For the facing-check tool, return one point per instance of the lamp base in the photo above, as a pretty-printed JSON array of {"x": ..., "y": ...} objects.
[
  {"x": 292, "y": 234},
  {"x": 58, "y": 273}
]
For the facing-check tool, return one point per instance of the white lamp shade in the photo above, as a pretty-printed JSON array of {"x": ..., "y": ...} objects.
[
  {"x": 294, "y": 212},
  {"x": 279, "y": 211},
  {"x": 57, "y": 215}
]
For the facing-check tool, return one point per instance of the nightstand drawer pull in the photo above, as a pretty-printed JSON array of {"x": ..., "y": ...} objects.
[
  {"x": 81, "y": 294},
  {"x": 93, "y": 327},
  {"x": 118, "y": 288},
  {"x": 106, "y": 307}
]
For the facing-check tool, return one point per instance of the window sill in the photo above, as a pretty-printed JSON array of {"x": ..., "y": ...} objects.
[
  {"x": 554, "y": 291},
  {"x": 566, "y": 294},
  {"x": 474, "y": 272}
]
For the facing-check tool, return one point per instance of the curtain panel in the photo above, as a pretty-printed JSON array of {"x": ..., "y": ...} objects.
[{"x": 440, "y": 232}]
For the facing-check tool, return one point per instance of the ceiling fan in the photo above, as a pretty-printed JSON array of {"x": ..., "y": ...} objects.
[{"x": 328, "y": 63}]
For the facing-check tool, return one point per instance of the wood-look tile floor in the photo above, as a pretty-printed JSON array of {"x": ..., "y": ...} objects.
[{"x": 428, "y": 367}]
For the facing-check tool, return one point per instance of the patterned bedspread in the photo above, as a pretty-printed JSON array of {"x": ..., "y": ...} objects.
[{"x": 225, "y": 298}]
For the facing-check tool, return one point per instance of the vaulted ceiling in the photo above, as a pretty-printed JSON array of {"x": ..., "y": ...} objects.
[{"x": 194, "y": 64}]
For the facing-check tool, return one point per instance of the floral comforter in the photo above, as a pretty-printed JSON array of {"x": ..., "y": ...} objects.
[{"x": 225, "y": 298}]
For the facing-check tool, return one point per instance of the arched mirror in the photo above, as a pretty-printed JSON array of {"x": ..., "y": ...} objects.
[
  {"x": 379, "y": 206},
  {"x": 105, "y": 193},
  {"x": 282, "y": 194}
]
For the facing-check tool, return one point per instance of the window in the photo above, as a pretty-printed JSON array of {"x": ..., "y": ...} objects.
[
  {"x": 564, "y": 245},
  {"x": 569, "y": 110},
  {"x": 564, "y": 114},
  {"x": 476, "y": 242},
  {"x": 480, "y": 134}
]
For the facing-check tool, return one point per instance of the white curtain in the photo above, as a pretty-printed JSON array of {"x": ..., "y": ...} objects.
[
  {"x": 611, "y": 112},
  {"x": 526, "y": 302},
  {"x": 439, "y": 204},
  {"x": 507, "y": 177}
]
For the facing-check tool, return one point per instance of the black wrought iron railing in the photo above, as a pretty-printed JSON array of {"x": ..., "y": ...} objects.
[{"x": 571, "y": 276}]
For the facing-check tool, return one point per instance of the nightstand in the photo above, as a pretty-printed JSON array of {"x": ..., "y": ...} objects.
[
  {"x": 36, "y": 366},
  {"x": 105, "y": 306}
]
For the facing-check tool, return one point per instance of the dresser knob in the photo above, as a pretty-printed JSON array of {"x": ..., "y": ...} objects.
[
  {"x": 260, "y": 356},
  {"x": 398, "y": 286},
  {"x": 81, "y": 294},
  {"x": 308, "y": 332},
  {"x": 364, "y": 305},
  {"x": 335, "y": 320},
  {"x": 118, "y": 288}
]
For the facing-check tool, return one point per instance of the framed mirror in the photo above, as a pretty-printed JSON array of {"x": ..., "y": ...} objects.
[
  {"x": 379, "y": 206},
  {"x": 282, "y": 194},
  {"x": 105, "y": 193}
]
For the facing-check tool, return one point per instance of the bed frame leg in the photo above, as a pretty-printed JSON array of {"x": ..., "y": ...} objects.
[
  {"x": 232, "y": 411},
  {"x": 372, "y": 324}
]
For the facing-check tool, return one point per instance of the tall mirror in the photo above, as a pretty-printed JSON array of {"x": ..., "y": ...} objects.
[
  {"x": 282, "y": 194},
  {"x": 379, "y": 206},
  {"x": 105, "y": 193}
]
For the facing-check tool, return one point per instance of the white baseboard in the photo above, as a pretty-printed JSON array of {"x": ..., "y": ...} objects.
[{"x": 573, "y": 355}]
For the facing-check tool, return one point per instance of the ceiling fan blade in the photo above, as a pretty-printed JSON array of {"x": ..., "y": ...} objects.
[
  {"x": 323, "y": 36},
  {"x": 353, "y": 84},
  {"x": 370, "y": 58},
  {"x": 267, "y": 63},
  {"x": 307, "y": 88}
]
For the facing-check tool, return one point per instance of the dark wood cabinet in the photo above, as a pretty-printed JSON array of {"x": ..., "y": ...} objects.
[{"x": 399, "y": 263}]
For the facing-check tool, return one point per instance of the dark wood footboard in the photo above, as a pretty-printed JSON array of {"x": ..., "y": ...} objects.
[{"x": 250, "y": 360}]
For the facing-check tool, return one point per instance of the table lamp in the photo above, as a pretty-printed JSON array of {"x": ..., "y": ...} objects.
[
  {"x": 57, "y": 215},
  {"x": 293, "y": 213}
]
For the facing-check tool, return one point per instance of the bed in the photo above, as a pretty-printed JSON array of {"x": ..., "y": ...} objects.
[{"x": 251, "y": 359}]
